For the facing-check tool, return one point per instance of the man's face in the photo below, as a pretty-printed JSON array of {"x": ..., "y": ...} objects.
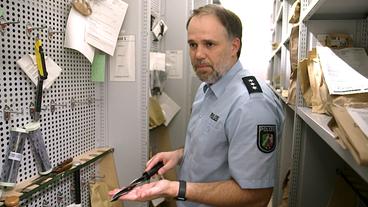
[{"x": 211, "y": 51}]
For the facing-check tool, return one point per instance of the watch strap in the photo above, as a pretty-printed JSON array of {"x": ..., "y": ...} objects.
[{"x": 182, "y": 191}]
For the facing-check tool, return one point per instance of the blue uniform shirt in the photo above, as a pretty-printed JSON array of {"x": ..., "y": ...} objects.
[{"x": 232, "y": 133}]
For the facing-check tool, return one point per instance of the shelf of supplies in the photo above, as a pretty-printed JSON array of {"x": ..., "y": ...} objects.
[
  {"x": 286, "y": 41},
  {"x": 79, "y": 162},
  {"x": 335, "y": 10},
  {"x": 283, "y": 99},
  {"x": 276, "y": 51},
  {"x": 318, "y": 122}
]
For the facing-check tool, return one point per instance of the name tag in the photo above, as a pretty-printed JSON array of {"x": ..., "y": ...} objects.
[{"x": 214, "y": 117}]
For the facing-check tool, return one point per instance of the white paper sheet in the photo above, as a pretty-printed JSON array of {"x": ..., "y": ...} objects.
[
  {"x": 169, "y": 107},
  {"x": 104, "y": 24},
  {"x": 74, "y": 35},
  {"x": 174, "y": 64},
  {"x": 360, "y": 117},
  {"x": 340, "y": 76},
  {"x": 356, "y": 57},
  {"x": 122, "y": 64},
  {"x": 28, "y": 64},
  {"x": 157, "y": 61}
]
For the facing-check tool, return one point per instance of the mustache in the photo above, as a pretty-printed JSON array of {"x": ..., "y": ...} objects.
[{"x": 203, "y": 64}]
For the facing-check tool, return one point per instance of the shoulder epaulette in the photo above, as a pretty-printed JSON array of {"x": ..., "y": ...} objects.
[{"x": 252, "y": 84}]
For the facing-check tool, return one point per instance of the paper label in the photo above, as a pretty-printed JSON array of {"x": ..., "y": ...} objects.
[{"x": 15, "y": 156}]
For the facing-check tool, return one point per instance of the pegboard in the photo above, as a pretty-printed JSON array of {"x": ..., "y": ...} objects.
[
  {"x": 68, "y": 131},
  {"x": 156, "y": 15}
]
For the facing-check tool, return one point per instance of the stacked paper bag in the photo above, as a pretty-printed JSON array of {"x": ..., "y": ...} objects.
[
  {"x": 293, "y": 47},
  {"x": 352, "y": 128},
  {"x": 333, "y": 81}
]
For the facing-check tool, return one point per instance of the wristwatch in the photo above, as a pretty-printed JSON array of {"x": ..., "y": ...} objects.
[{"x": 182, "y": 190}]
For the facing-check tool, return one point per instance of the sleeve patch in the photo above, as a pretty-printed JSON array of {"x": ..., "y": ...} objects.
[
  {"x": 266, "y": 138},
  {"x": 252, "y": 84}
]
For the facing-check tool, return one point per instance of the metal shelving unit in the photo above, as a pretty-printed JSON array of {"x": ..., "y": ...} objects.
[
  {"x": 278, "y": 76},
  {"x": 318, "y": 123},
  {"x": 315, "y": 155},
  {"x": 335, "y": 9}
]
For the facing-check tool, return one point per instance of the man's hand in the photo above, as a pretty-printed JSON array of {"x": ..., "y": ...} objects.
[
  {"x": 150, "y": 191},
  {"x": 170, "y": 160}
]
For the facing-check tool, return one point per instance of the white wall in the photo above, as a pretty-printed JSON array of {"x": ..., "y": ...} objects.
[{"x": 257, "y": 37}]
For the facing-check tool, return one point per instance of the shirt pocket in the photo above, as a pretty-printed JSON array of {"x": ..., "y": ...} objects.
[{"x": 213, "y": 126}]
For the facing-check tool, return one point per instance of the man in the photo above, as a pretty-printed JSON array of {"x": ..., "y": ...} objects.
[{"x": 229, "y": 156}]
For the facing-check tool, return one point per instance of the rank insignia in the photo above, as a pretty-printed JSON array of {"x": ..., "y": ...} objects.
[
  {"x": 266, "y": 138},
  {"x": 252, "y": 84}
]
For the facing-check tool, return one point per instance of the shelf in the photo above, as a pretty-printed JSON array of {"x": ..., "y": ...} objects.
[
  {"x": 276, "y": 51},
  {"x": 282, "y": 98},
  {"x": 279, "y": 15},
  {"x": 318, "y": 122},
  {"x": 79, "y": 162},
  {"x": 336, "y": 10}
]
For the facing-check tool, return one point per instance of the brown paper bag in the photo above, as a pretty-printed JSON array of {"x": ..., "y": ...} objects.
[
  {"x": 320, "y": 93},
  {"x": 355, "y": 139},
  {"x": 339, "y": 40},
  {"x": 109, "y": 179},
  {"x": 99, "y": 194},
  {"x": 295, "y": 10},
  {"x": 292, "y": 88},
  {"x": 304, "y": 82},
  {"x": 293, "y": 46},
  {"x": 335, "y": 129},
  {"x": 156, "y": 116}
]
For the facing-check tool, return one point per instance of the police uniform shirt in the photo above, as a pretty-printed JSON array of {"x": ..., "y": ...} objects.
[{"x": 232, "y": 133}]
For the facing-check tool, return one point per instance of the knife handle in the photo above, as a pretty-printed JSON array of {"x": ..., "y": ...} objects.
[{"x": 153, "y": 170}]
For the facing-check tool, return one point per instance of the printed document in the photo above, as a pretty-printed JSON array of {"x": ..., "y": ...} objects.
[
  {"x": 340, "y": 69},
  {"x": 74, "y": 35},
  {"x": 122, "y": 64},
  {"x": 104, "y": 24},
  {"x": 174, "y": 64}
]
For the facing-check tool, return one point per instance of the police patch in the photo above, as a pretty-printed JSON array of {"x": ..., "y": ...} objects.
[{"x": 266, "y": 138}]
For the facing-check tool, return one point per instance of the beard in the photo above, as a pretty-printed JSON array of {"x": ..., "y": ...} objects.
[{"x": 208, "y": 77}]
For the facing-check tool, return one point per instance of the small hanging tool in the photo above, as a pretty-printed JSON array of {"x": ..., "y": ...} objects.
[
  {"x": 4, "y": 24},
  {"x": 145, "y": 177},
  {"x": 42, "y": 72}
]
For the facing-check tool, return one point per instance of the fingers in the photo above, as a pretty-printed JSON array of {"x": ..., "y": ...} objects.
[
  {"x": 154, "y": 160},
  {"x": 140, "y": 193},
  {"x": 111, "y": 193}
]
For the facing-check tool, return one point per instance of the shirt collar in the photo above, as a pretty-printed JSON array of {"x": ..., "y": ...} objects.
[{"x": 219, "y": 87}]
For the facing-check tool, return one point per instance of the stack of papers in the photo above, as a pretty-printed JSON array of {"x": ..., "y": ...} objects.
[
  {"x": 99, "y": 30},
  {"x": 343, "y": 69}
]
